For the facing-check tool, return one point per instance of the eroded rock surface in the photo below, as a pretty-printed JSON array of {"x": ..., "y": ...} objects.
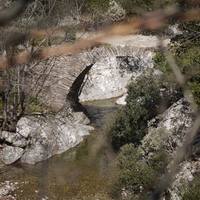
[
  {"x": 109, "y": 76},
  {"x": 51, "y": 135},
  {"x": 6, "y": 188},
  {"x": 11, "y": 154},
  {"x": 44, "y": 136},
  {"x": 168, "y": 130},
  {"x": 15, "y": 139}
]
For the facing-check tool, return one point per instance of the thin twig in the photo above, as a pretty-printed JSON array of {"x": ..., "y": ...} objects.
[{"x": 151, "y": 21}]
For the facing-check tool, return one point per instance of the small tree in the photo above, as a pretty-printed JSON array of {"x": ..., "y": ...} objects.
[
  {"x": 136, "y": 177},
  {"x": 23, "y": 85},
  {"x": 131, "y": 121}
]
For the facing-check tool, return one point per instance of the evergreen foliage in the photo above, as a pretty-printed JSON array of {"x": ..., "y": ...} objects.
[
  {"x": 187, "y": 55},
  {"x": 193, "y": 192},
  {"x": 131, "y": 121},
  {"x": 136, "y": 176}
]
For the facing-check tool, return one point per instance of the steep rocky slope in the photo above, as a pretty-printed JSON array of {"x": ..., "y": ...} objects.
[
  {"x": 167, "y": 132},
  {"x": 99, "y": 73}
]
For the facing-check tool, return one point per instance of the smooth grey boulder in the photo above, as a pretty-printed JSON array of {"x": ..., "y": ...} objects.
[
  {"x": 44, "y": 136},
  {"x": 11, "y": 154},
  {"x": 51, "y": 135},
  {"x": 13, "y": 138}
]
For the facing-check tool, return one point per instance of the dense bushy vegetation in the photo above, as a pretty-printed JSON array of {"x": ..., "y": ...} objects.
[
  {"x": 131, "y": 121},
  {"x": 185, "y": 48},
  {"x": 187, "y": 56},
  {"x": 136, "y": 175},
  {"x": 193, "y": 192}
]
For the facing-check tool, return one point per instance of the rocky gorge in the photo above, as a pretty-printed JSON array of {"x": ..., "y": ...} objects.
[{"x": 99, "y": 73}]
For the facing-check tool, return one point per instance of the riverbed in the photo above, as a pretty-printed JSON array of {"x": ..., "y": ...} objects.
[{"x": 85, "y": 172}]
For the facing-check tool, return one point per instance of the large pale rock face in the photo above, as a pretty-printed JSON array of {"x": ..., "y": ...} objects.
[
  {"x": 186, "y": 174},
  {"x": 109, "y": 76},
  {"x": 113, "y": 68},
  {"x": 44, "y": 136},
  {"x": 168, "y": 130},
  {"x": 51, "y": 136}
]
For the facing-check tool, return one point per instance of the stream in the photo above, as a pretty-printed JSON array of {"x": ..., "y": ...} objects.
[{"x": 85, "y": 172}]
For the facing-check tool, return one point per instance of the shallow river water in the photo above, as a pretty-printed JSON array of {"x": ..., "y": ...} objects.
[{"x": 85, "y": 172}]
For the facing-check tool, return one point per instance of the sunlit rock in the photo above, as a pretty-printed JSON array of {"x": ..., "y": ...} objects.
[
  {"x": 168, "y": 130},
  {"x": 13, "y": 138},
  {"x": 11, "y": 154},
  {"x": 110, "y": 75},
  {"x": 121, "y": 100},
  {"x": 54, "y": 135}
]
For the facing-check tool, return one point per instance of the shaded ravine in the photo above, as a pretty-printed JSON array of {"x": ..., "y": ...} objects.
[
  {"x": 75, "y": 90},
  {"x": 84, "y": 172}
]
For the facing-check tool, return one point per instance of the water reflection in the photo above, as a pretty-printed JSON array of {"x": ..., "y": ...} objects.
[{"x": 84, "y": 172}]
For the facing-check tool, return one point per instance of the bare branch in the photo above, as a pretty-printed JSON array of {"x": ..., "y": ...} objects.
[{"x": 151, "y": 21}]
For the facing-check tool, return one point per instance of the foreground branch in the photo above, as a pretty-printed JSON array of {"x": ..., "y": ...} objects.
[{"x": 150, "y": 21}]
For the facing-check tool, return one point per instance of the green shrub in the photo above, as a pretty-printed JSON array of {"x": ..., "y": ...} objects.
[
  {"x": 193, "y": 192},
  {"x": 101, "y": 5},
  {"x": 159, "y": 162},
  {"x": 187, "y": 55},
  {"x": 137, "y": 177},
  {"x": 161, "y": 63},
  {"x": 131, "y": 121},
  {"x": 188, "y": 60},
  {"x": 194, "y": 86},
  {"x": 133, "y": 173},
  {"x": 95, "y": 10}
]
